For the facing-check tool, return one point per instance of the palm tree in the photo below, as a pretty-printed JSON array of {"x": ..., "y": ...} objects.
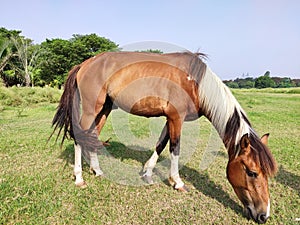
[
  {"x": 28, "y": 55},
  {"x": 5, "y": 53}
]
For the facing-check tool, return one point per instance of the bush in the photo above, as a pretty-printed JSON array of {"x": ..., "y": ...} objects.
[
  {"x": 16, "y": 96},
  {"x": 9, "y": 98},
  {"x": 1, "y": 107},
  {"x": 232, "y": 84},
  {"x": 264, "y": 82}
]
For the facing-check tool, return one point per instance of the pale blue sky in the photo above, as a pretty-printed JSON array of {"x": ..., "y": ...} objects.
[{"x": 241, "y": 36}]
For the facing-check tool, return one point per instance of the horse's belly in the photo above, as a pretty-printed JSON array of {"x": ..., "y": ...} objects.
[
  {"x": 148, "y": 106},
  {"x": 149, "y": 96},
  {"x": 146, "y": 96}
]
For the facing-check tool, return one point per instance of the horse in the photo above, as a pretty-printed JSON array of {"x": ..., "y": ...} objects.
[{"x": 180, "y": 87}]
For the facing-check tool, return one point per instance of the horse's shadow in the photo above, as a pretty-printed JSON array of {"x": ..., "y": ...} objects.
[
  {"x": 202, "y": 182},
  {"x": 288, "y": 179},
  {"x": 199, "y": 180}
]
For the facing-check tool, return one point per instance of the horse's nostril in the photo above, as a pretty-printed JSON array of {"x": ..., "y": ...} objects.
[{"x": 262, "y": 218}]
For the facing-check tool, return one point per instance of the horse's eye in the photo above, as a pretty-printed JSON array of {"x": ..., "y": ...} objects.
[{"x": 251, "y": 173}]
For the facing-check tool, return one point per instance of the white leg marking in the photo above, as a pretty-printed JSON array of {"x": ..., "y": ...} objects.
[
  {"x": 268, "y": 209},
  {"x": 94, "y": 164},
  {"x": 174, "y": 173},
  {"x": 150, "y": 164},
  {"x": 78, "y": 167}
]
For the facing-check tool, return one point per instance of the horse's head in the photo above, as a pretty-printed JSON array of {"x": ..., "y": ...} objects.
[{"x": 248, "y": 173}]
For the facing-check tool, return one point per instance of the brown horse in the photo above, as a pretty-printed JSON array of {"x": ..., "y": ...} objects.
[{"x": 180, "y": 87}]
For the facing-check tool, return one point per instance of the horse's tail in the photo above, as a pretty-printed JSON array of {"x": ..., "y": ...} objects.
[
  {"x": 68, "y": 111},
  {"x": 67, "y": 117}
]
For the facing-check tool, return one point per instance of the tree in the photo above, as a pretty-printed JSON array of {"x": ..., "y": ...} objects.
[
  {"x": 264, "y": 81},
  {"x": 296, "y": 82},
  {"x": 153, "y": 51},
  {"x": 5, "y": 53},
  {"x": 8, "y": 56},
  {"x": 86, "y": 46},
  {"x": 54, "y": 60},
  {"x": 286, "y": 82},
  {"x": 232, "y": 84},
  {"x": 28, "y": 55},
  {"x": 245, "y": 82},
  {"x": 48, "y": 63},
  {"x": 59, "y": 55}
]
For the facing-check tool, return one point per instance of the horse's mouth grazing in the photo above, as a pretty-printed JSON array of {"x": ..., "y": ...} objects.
[{"x": 250, "y": 214}]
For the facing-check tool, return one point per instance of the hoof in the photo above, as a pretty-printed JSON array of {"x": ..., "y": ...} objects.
[
  {"x": 147, "y": 179},
  {"x": 184, "y": 189},
  {"x": 97, "y": 174},
  {"x": 81, "y": 184},
  {"x": 171, "y": 182},
  {"x": 106, "y": 143}
]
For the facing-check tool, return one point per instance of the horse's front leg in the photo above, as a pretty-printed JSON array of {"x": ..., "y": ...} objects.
[
  {"x": 160, "y": 145},
  {"x": 174, "y": 178}
]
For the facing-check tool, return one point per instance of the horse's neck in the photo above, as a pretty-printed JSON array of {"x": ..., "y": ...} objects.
[{"x": 220, "y": 106}]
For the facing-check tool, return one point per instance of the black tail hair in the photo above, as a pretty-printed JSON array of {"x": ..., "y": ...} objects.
[
  {"x": 68, "y": 110},
  {"x": 67, "y": 118}
]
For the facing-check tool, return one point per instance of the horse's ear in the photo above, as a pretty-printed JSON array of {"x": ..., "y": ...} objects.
[
  {"x": 264, "y": 139},
  {"x": 245, "y": 144}
]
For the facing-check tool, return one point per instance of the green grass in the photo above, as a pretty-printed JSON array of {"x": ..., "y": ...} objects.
[{"x": 36, "y": 185}]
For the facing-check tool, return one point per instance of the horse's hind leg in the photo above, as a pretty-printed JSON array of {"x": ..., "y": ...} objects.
[
  {"x": 99, "y": 122},
  {"x": 150, "y": 164},
  {"x": 94, "y": 164},
  {"x": 87, "y": 134},
  {"x": 79, "y": 182}
]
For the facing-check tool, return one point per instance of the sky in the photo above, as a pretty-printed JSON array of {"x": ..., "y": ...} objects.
[{"x": 241, "y": 37}]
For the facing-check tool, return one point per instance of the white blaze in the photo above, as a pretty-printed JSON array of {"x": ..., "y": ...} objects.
[{"x": 268, "y": 209}]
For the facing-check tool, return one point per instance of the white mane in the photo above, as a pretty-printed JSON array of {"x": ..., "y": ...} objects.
[{"x": 218, "y": 104}]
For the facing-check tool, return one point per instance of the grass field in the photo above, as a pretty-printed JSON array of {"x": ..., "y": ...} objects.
[{"x": 36, "y": 185}]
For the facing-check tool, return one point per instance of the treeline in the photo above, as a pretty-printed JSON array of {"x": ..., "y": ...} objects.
[
  {"x": 265, "y": 81},
  {"x": 27, "y": 64},
  {"x": 23, "y": 63}
]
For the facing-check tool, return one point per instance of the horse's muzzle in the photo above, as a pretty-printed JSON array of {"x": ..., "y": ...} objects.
[{"x": 259, "y": 218}]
